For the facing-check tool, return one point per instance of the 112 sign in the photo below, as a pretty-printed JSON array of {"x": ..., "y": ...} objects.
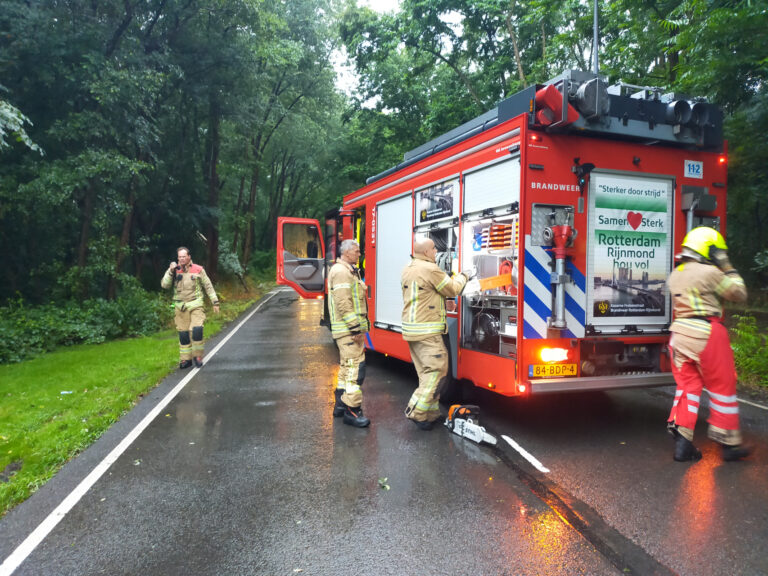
[{"x": 694, "y": 169}]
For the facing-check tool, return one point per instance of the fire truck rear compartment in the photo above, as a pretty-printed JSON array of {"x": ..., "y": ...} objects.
[{"x": 615, "y": 358}]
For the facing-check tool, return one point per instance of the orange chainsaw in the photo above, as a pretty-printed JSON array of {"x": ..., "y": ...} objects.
[{"x": 464, "y": 420}]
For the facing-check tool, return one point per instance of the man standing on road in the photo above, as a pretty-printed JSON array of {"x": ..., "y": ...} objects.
[
  {"x": 348, "y": 310},
  {"x": 189, "y": 281},
  {"x": 701, "y": 350},
  {"x": 425, "y": 288}
]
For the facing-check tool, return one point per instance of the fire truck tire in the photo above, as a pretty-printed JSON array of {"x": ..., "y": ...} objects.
[{"x": 460, "y": 391}]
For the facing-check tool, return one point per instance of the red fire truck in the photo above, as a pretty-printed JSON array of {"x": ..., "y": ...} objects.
[{"x": 569, "y": 199}]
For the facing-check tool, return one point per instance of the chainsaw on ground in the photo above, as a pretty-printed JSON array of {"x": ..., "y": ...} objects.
[{"x": 464, "y": 420}]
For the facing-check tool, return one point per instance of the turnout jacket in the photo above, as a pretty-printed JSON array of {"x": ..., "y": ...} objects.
[
  {"x": 188, "y": 287},
  {"x": 425, "y": 287},
  {"x": 697, "y": 290},
  {"x": 347, "y": 303}
]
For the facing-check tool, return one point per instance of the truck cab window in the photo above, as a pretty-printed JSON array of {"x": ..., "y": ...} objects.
[
  {"x": 301, "y": 241},
  {"x": 360, "y": 238}
]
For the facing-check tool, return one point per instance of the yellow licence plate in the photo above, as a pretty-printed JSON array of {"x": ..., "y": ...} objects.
[{"x": 551, "y": 370}]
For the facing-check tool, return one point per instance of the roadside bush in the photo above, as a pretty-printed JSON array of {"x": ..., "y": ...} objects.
[
  {"x": 750, "y": 351},
  {"x": 262, "y": 265},
  {"x": 29, "y": 330}
]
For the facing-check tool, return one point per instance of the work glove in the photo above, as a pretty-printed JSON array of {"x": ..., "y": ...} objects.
[
  {"x": 721, "y": 260},
  {"x": 470, "y": 273}
]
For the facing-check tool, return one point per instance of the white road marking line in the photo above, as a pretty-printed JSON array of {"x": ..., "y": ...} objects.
[
  {"x": 525, "y": 454},
  {"x": 756, "y": 405},
  {"x": 46, "y": 526}
]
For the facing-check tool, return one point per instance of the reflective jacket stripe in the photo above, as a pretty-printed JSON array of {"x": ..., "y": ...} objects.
[
  {"x": 348, "y": 311},
  {"x": 414, "y": 328}
]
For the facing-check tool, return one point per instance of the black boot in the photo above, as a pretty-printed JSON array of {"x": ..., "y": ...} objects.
[
  {"x": 733, "y": 453},
  {"x": 184, "y": 364},
  {"x": 199, "y": 362},
  {"x": 354, "y": 417},
  {"x": 338, "y": 407},
  {"x": 424, "y": 424},
  {"x": 685, "y": 451}
]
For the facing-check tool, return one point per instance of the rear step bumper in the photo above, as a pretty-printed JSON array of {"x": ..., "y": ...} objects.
[{"x": 601, "y": 383}]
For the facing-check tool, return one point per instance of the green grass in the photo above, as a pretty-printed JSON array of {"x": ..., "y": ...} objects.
[
  {"x": 750, "y": 347},
  {"x": 56, "y": 405}
]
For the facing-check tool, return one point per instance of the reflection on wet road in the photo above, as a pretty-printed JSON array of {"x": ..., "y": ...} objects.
[{"x": 247, "y": 472}]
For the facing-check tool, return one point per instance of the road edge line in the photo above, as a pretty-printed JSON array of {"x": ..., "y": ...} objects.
[
  {"x": 23, "y": 550},
  {"x": 525, "y": 454}
]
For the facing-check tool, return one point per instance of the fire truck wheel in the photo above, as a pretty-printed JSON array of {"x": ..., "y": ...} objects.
[{"x": 457, "y": 392}]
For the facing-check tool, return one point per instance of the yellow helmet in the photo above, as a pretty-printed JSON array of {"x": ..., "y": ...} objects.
[{"x": 701, "y": 239}]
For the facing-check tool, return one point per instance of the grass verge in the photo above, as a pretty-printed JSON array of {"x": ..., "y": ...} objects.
[{"x": 56, "y": 405}]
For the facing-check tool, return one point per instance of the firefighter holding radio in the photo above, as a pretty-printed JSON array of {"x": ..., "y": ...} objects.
[
  {"x": 425, "y": 287},
  {"x": 189, "y": 281},
  {"x": 701, "y": 351},
  {"x": 348, "y": 311}
]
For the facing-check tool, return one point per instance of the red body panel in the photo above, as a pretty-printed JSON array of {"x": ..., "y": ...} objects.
[
  {"x": 549, "y": 162},
  {"x": 281, "y": 274}
]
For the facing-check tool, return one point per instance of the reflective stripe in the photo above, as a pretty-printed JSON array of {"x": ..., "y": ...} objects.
[
  {"x": 723, "y": 409},
  {"x": 693, "y": 409},
  {"x": 352, "y": 321},
  {"x": 442, "y": 310},
  {"x": 723, "y": 398},
  {"x": 414, "y": 302},
  {"x": 427, "y": 407},
  {"x": 191, "y": 304},
  {"x": 442, "y": 284},
  {"x": 356, "y": 299},
  {"x": 414, "y": 328},
  {"x": 694, "y": 324},
  {"x": 728, "y": 282},
  {"x": 694, "y": 397},
  {"x": 695, "y": 301},
  {"x": 421, "y": 404}
]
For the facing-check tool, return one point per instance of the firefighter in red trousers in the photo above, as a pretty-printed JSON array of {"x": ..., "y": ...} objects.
[
  {"x": 189, "y": 281},
  {"x": 348, "y": 311},
  {"x": 425, "y": 287},
  {"x": 701, "y": 350}
]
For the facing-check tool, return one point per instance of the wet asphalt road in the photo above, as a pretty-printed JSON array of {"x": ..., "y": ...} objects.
[{"x": 247, "y": 472}]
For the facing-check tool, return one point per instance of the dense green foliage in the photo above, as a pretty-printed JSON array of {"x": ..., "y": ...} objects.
[
  {"x": 750, "y": 348},
  {"x": 130, "y": 127},
  {"x": 163, "y": 123},
  {"x": 438, "y": 63},
  {"x": 26, "y": 331}
]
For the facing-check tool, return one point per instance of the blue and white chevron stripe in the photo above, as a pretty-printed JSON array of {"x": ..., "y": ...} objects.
[{"x": 537, "y": 294}]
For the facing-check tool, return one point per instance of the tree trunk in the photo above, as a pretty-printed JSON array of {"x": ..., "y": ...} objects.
[
  {"x": 513, "y": 36},
  {"x": 212, "y": 177},
  {"x": 125, "y": 237},
  {"x": 85, "y": 227},
  {"x": 250, "y": 230},
  {"x": 250, "y": 219},
  {"x": 238, "y": 208},
  {"x": 85, "y": 234}
]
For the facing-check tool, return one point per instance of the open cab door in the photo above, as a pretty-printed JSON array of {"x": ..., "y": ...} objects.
[{"x": 301, "y": 256}]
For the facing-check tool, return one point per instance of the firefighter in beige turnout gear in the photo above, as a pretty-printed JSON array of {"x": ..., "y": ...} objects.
[
  {"x": 702, "y": 357},
  {"x": 348, "y": 310},
  {"x": 189, "y": 281},
  {"x": 425, "y": 288}
]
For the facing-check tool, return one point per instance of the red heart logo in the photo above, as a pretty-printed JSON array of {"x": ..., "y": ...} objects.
[{"x": 634, "y": 219}]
